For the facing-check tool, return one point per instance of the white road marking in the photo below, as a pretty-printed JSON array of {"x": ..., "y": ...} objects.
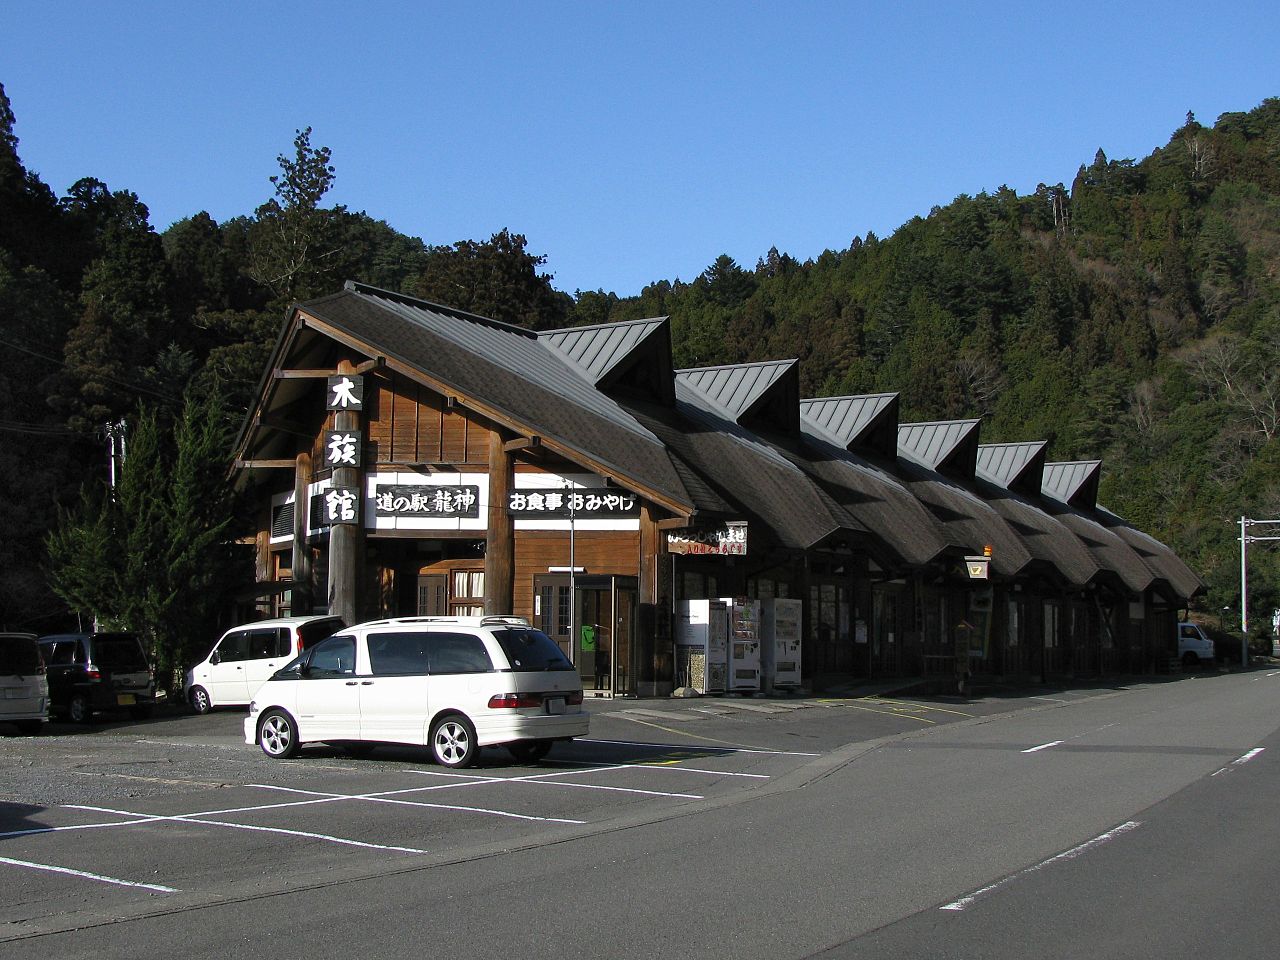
[
  {"x": 1044, "y": 746},
  {"x": 199, "y": 818},
  {"x": 159, "y": 888},
  {"x": 966, "y": 902},
  {"x": 1245, "y": 758},
  {"x": 387, "y": 798},
  {"x": 698, "y": 747},
  {"x": 661, "y": 765}
]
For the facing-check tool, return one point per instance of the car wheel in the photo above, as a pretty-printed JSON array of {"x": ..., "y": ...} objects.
[
  {"x": 1189, "y": 659},
  {"x": 200, "y": 702},
  {"x": 453, "y": 741},
  {"x": 529, "y": 751},
  {"x": 278, "y": 735},
  {"x": 78, "y": 710}
]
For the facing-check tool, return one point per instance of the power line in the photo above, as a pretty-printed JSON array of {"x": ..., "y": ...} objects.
[{"x": 134, "y": 387}]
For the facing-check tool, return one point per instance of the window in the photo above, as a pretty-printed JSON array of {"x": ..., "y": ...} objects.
[
  {"x": 531, "y": 650},
  {"x": 335, "y": 657},
  {"x": 467, "y": 599},
  {"x": 398, "y": 654},
  {"x": 457, "y": 653},
  {"x": 234, "y": 647},
  {"x": 267, "y": 643},
  {"x": 118, "y": 651}
]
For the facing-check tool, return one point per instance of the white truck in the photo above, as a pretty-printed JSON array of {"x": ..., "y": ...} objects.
[{"x": 1194, "y": 648}]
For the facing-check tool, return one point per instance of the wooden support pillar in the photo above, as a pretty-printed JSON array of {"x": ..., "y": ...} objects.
[
  {"x": 301, "y": 598},
  {"x": 500, "y": 538},
  {"x": 346, "y": 540}
]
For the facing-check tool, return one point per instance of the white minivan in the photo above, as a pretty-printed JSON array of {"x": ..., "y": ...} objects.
[
  {"x": 24, "y": 691},
  {"x": 455, "y": 684},
  {"x": 244, "y": 657}
]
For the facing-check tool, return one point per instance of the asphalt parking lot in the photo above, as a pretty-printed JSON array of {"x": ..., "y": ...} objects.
[{"x": 139, "y": 818}]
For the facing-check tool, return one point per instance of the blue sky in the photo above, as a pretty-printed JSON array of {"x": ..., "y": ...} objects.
[{"x": 629, "y": 142}]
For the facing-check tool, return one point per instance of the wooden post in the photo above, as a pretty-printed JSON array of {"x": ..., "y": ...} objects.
[
  {"x": 301, "y": 599},
  {"x": 346, "y": 539},
  {"x": 500, "y": 540}
]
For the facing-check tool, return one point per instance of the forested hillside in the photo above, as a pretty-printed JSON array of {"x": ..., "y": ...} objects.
[{"x": 1133, "y": 315}]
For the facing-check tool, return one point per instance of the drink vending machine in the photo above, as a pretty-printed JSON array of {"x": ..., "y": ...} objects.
[
  {"x": 744, "y": 644},
  {"x": 702, "y": 659},
  {"x": 780, "y": 643}
]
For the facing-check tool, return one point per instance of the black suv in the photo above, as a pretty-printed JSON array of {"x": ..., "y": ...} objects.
[{"x": 96, "y": 672}]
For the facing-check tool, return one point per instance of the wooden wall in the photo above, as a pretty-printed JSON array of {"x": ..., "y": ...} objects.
[{"x": 599, "y": 551}]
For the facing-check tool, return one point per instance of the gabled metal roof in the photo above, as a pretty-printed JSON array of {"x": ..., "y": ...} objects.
[
  {"x": 598, "y": 349},
  {"x": 1014, "y": 466},
  {"x": 867, "y": 423},
  {"x": 947, "y": 446},
  {"x": 1074, "y": 482},
  {"x": 504, "y": 372},
  {"x": 738, "y": 390}
]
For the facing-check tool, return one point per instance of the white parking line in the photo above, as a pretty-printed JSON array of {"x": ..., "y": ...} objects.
[
  {"x": 199, "y": 818},
  {"x": 1044, "y": 746},
  {"x": 663, "y": 765},
  {"x": 965, "y": 902},
  {"x": 387, "y": 798},
  {"x": 692, "y": 746},
  {"x": 159, "y": 888},
  {"x": 546, "y": 778}
]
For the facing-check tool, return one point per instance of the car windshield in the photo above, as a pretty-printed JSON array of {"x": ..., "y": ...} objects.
[
  {"x": 118, "y": 651},
  {"x": 531, "y": 650},
  {"x": 19, "y": 655}
]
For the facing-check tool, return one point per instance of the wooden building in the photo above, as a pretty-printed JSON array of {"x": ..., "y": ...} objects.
[{"x": 411, "y": 459}]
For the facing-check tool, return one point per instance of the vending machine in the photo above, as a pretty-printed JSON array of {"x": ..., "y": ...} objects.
[
  {"x": 780, "y": 643},
  {"x": 702, "y": 645},
  {"x": 744, "y": 644}
]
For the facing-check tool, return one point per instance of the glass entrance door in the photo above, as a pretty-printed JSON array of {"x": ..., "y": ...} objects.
[{"x": 598, "y": 635}]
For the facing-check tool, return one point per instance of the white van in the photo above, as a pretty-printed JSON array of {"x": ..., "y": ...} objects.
[
  {"x": 244, "y": 657},
  {"x": 1194, "y": 648},
  {"x": 24, "y": 691},
  {"x": 454, "y": 683}
]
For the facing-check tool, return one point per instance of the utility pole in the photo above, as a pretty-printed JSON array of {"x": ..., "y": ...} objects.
[{"x": 1245, "y": 540}]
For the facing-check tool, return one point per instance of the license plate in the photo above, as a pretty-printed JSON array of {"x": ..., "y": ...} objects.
[
  {"x": 125, "y": 699},
  {"x": 555, "y": 704}
]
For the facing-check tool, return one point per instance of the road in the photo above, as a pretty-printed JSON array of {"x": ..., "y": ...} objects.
[{"x": 1128, "y": 821}]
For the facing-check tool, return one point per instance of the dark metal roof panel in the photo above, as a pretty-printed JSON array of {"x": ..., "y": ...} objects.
[
  {"x": 735, "y": 389},
  {"x": 934, "y": 444},
  {"x": 1074, "y": 482},
  {"x": 845, "y": 420},
  {"x": 1016, "y": 466},
  {"x": 598, "y": 349}
]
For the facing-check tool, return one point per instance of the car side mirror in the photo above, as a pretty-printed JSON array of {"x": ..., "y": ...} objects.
[{"x": 215, "y": 657}]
